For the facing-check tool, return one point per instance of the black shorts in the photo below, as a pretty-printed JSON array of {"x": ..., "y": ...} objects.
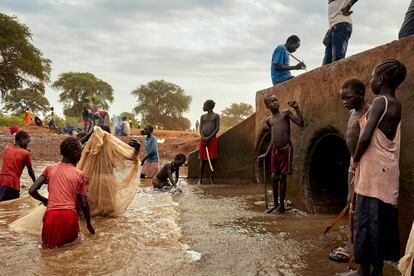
[
  {"x": 7, "y": 193},
  {"x": 376, "y": 236}
]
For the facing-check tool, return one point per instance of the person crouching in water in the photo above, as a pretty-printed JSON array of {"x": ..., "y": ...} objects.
[
  {"x": 150, "y": 163},
  {"x": 160, "y": 180},
  {"x": 66, "y": 187},
  {"x": 280, "y": 146}
]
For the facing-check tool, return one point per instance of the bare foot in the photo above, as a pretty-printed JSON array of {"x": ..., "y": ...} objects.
[
  {"x": 271, "y": 210},
  {"x": 200, "y": 181},
  {"x": 281, "y": 209}
]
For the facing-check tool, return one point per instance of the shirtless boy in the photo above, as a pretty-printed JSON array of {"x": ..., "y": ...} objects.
[
  {"x": 280, "y": 146},
  {"x": 209, "y": 126},
  {"x": 166, "y": 173},
  {"x": 376, "y": 165},
  {"x": 352, "y": 96}
]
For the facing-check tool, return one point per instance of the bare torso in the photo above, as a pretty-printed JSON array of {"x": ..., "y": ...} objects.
[
  {"x": 279, "y": 125},
  {"x": 352, "y": 132},
  {"x": 209, "y": 123}
]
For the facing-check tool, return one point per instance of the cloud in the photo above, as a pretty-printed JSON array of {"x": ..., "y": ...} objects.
[{"x": 213, "y": 49}]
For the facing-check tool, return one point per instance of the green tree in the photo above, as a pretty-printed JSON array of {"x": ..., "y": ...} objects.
[
  {"x": 21, "y": 64},
  {"x": 82, "y": 89},
  {"x": 18, "y": 101},
  {"x": 235, "y": 114},
  {"x": 162, "y": 103}
]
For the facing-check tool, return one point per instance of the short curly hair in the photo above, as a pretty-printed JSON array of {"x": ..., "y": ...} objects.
[
  {"x": 210, "y": 103},
  {"x": 180, "y": 158},
  {"x": 69, "y": 146},
  {"x": 21, "y": 135},
  {"x": 355, "y": 85}
]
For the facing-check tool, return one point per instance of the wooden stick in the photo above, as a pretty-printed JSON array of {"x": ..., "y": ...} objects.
[{"x": 209, "y": 161}]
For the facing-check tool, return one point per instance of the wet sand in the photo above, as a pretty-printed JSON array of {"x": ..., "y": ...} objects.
[{"x": 202, "y": 230}]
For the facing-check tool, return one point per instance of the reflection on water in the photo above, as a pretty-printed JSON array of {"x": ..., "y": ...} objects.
[
  {"x": 144, "y": 240},
  {"x": 203, "y": 230}
]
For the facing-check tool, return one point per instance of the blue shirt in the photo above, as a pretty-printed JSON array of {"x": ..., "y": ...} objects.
[
  {"x": 151, "y": 148},
  {"x": 280, "y": 56}
]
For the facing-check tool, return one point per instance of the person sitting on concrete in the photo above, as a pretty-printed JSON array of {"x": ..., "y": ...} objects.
[
  {"x": 340, "y": 29},
  {"x": 125, "y": 127},
  {"x": 407, "y": 27},
  {"x": 160, "y": 180},
  {"x": 280, "y": 69},
  {"x": 280, "y": 146}
]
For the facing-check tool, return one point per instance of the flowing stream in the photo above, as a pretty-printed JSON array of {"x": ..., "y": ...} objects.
[{"x": 197, "y": 230}]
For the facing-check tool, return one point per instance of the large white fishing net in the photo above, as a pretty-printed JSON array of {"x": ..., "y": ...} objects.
[{"x": 111, "y": 167}]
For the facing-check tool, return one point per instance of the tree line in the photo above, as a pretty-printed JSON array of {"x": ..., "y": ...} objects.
[{"x": 24, "y": 74}]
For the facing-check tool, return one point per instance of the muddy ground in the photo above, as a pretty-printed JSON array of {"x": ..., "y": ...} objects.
[
  {"x": 224, "y": 228},
  {"x": 45, "y": 144}
]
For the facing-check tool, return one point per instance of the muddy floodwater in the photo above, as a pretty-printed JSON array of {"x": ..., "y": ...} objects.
[{"x": 197, "y": 230}]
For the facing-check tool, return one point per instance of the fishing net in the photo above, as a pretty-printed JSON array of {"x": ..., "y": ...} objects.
[{"x": 111, "y": 167}]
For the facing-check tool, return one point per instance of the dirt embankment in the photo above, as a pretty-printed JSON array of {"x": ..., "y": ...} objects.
[{"x": 45, "y": 144}]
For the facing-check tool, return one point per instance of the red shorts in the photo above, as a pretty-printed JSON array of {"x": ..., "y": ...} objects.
[
  {"x": 212, "y": 149},
  {"x": 59, "y": 227},
  {"x": 282, "y": 160}
]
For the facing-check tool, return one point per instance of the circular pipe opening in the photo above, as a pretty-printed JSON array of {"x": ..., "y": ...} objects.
[{"x": 328, "y": 174}]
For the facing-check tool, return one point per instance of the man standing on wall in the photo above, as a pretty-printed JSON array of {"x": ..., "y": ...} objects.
[
  {"x": 407, "y": 27},
  {"x": 340, "y": 29},
  {"x": 280, "y": 69}
]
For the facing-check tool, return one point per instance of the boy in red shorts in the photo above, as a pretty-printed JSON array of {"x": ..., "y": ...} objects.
[
  {"x": 209, "y": 126},
  {"x": 15, "y": 158},
  {"x": 66, "y": 186},
  {"x": 280, "y": 146}
]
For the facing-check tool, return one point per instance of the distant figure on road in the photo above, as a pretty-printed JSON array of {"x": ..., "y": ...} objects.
[
  {"x": 340, "y": 29},
  {"x": 197, "y": 125},
  {"x": 280, "y": 69},
  {"x": 407, "y": 27}
]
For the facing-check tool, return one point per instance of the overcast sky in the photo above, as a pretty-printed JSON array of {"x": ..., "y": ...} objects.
[{"x": 218, "y": 49}]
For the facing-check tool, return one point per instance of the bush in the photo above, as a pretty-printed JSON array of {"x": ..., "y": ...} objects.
[{"x": 11, "y": 120}]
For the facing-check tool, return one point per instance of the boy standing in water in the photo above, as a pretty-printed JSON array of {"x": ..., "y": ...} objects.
[
  {"x": 209, "y": 126},
  {"x": 353, "y": 98},
  {"x": 376, "y": 165},
  {"x": 15, "y": 158},
  {"x": 280, "y": 146},
  {"x": 161, "y": 179},
  {"x": 66, "y": 187},
  {"x": 150, "y": 163}
]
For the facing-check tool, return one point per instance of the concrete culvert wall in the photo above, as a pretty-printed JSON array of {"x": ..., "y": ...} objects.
[{"x": 317, "y": 93}]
